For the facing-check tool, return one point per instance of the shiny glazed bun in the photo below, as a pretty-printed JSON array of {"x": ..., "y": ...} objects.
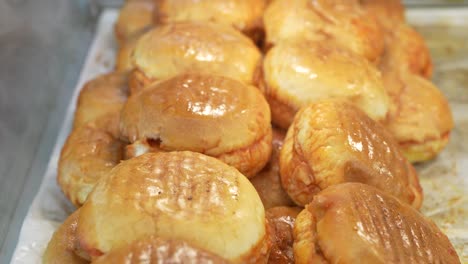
[
  {"x": 389, "y": 13},
  {"x": 339, "y": 23},
  {"x": 176, "y": 48},
  {"x": 405, "y": 50},
  {"x": 421, "y": 119},
  {"x": 357, "y": 223},
  {"x": 179, "y": 195},
  {"x": 213, "y": 115},
  {"x": 61, "y": 247},
  {"x": 244, "y": 15},
  {"x": 89, "y": 152},
  {"x": 332, "y": 142},
  {"x": 134, "y": 17},
  {"x": 153, "y": 250},
  {"x": 296, "y": 73},
  {"x": 268, "y": 182},
  {"x": 101, "y": 96}
]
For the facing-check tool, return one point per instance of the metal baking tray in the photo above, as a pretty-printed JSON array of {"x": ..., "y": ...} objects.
[{"x": 445, "y": 179}]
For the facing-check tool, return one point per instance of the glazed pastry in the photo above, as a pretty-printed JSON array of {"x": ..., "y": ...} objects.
[
  {"x": 281, "y": 221},
  {"x": 244, "y": 15},
  {"x": 158, "y": 250},
  {"x": 296, "y": 73},
  {"x": 182, "y": 195},
  {"x": 357, "y": 223},
  {"x": 123, "y": 61},
  {"x": 421, "y": 119},
  {"x": 268, "y": 182},
  {"x": 89, "y": 152},
  {"x": 214, "y": 115},
  {"x": 332, "y": 142},
  {"x": 389, "y": 13},
  {"x": 173, "y": 49},
  {"x": 405, "y": 50},
  {"x": 101, "y": 96},
  {"x": 134, "y": 17},
  {"x": 338, "y": 23},
  {"x": 62, "y": 245}
]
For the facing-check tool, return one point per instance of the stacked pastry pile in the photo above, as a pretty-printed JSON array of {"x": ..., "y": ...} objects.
[{"x": 173, "y": 157}]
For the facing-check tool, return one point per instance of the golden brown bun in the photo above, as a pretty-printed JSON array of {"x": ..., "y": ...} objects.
[
  {"x": 214, "y": 115},
  {"x": 125, "y": 52},
  {"x": 177, "y": 195},
  {"x": 63, "y": 243},
  {"x": 101, "y": 96},
  {"x": 172, "y": 49},
  {"x": 244, "y": 15},
  {"x": 357, "y": 223},
  {"x": 152, "y": 250},
  {"x": 89, "y": 152},
  {"x": 332, "y": 142},
  {"x": 421, "y": 119},
  {"x": 406, "y": 50},
  {"x": 341, "y": 23},
  {"x": 296, "y": 73},
  {"x": 388, "y": 13},
  {"x": 268, "y": 182},
  {"x": 134, "y": 17},
  {"x": 281, "y": 222}
]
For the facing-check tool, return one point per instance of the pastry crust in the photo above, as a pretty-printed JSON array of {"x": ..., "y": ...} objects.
[
  {"x": 296, "y": 73},
  {"x": 134, "y": 17},
  {"x": 101, "y": 96},
  {"x": 243, "y": 15},
  {"x": 214, "y": 115},
  {"x": 157, "y": 250},
  {"x": 339, "y": 23},
  {"x": 89, "y": 152},
  {"x": 268, "y": 182},
  {"x": 61, "y": 247},
  {"x": 197, "y": 47},
  {"x": 405, "y": 50},
  {"x": 332, "y": 142},
  {"x": 389, "y": 13},
  {"x": 357, "y": 223},
  {"x": 181, "y": 195},
  {"x": 421, "y": 119}
]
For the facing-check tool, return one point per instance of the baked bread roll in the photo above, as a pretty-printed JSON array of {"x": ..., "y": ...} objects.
[
  {"x": 357, "y": 223},
  {"x": 213, "y": 115},
  {"x": 89, "y": 152},
  {"x": 63, "y": 244},
  {"x": 332, "y": 142},
  {"x": 281, "y": 222},
  {"x": 124, "y": 59},
  {"x": 208, "y": 48},
  {"x": 134, "y": 17},
  {"x": 179, "y": 195},
  {"x": 243, "y": 15},
  {"x": 101, "y": 96},
  {"x": 405, "y": 50},
  {"x": 157, "y": 250},
  {"x": 389, "y": 13},
  {"x": 296, "y": 73},
  {"x": 421, "y": 119},
  {"x": 268, "y": 182},
  {"x": 338, "y": 23}
]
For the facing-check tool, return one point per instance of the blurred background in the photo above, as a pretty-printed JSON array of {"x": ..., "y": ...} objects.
[{"x": 43, "y": 45}]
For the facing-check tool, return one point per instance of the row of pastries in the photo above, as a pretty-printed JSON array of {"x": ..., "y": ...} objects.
[{"x": 255, "y": 131}]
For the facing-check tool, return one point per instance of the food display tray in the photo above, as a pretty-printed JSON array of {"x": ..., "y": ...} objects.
[{"x": 445, "y": 179}]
